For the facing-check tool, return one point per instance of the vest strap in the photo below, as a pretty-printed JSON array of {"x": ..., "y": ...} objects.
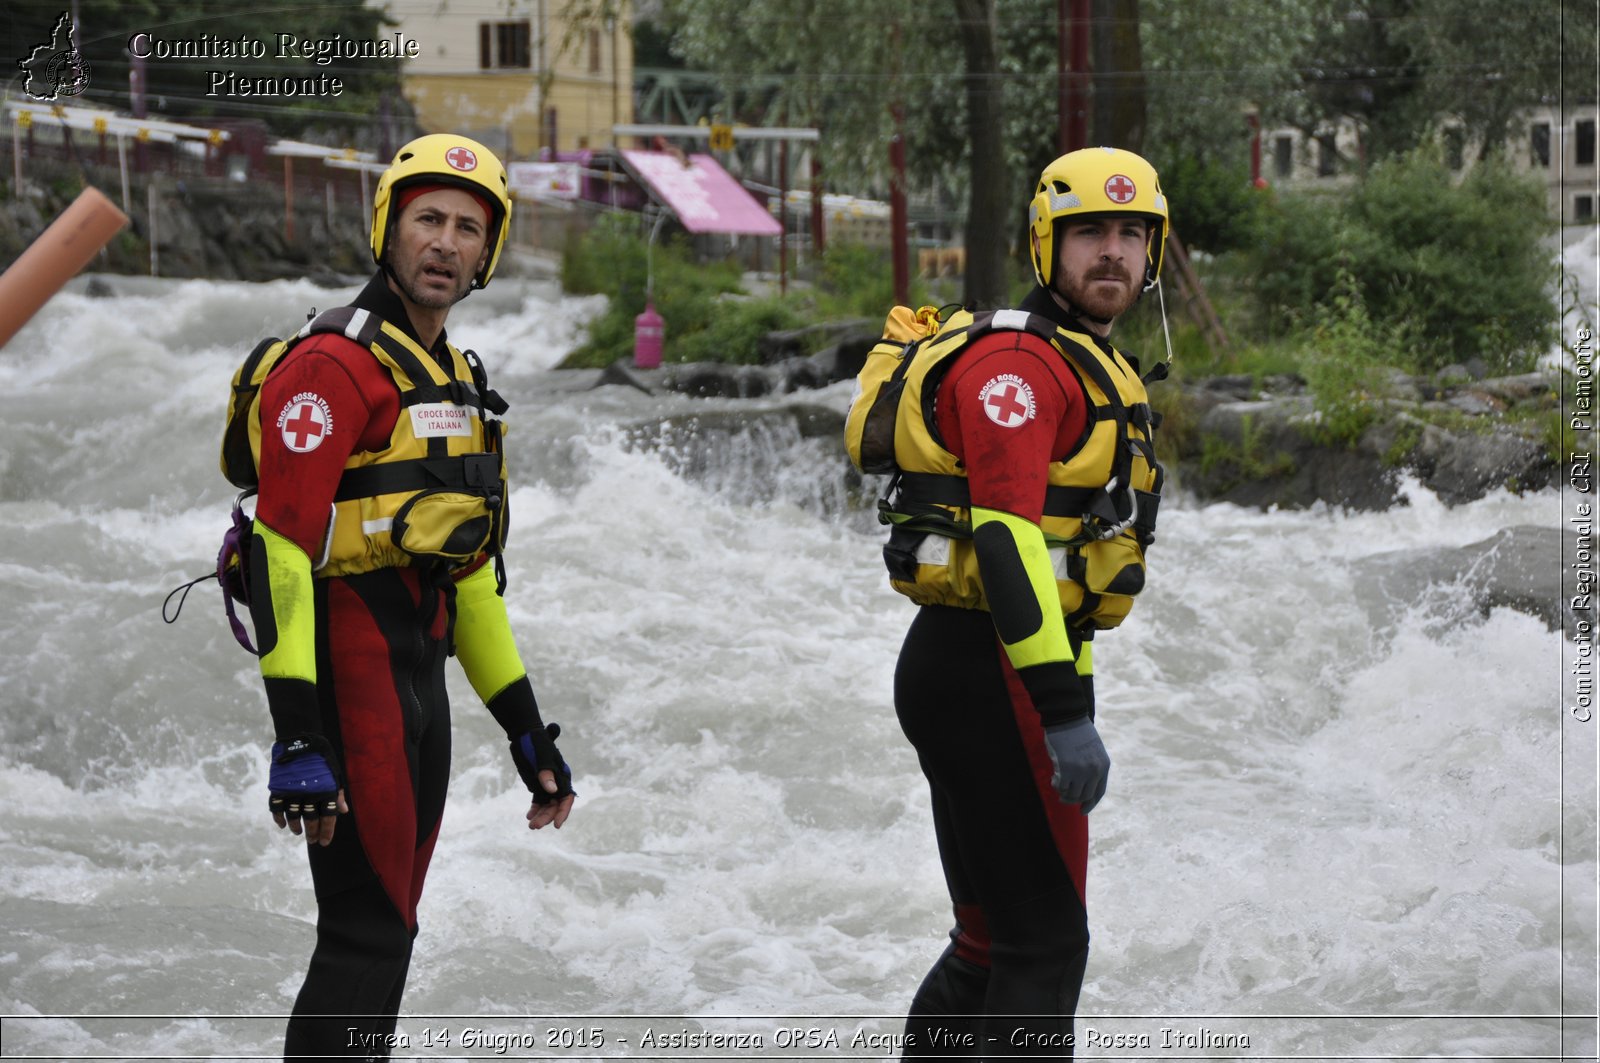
[
  {"x": 925, "y": 488},
  {"x": 474, "y": 473}
]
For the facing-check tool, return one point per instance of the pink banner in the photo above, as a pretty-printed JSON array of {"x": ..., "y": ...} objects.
[{"x": 703, "y": 195}]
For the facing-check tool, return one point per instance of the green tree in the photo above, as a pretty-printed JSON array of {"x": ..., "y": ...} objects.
[
  {"x": 1362, "y": 64},
  {"x": 988, "y": 198},
  {"x": 1117, "y": 56},
  {"x": 1486, "y": 62},
  {"x": 1396, "y": 69},
  {"x": 1401, "y": 70},
  {"x": 1208, "y": 63},
  {"x": 843, "y": 65}
]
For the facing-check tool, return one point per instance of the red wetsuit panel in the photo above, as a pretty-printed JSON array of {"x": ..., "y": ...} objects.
[
  {"x": 1068, "y": 825},
  {"x": 1007, "y": 408},
  {"x": 372, "y": 728}
]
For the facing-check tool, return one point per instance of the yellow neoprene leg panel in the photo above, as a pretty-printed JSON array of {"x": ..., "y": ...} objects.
[
  {"x": 293, "y": 653},
  {"x": 484, "y": 643},
  {"x": 1020, "y": 584}
]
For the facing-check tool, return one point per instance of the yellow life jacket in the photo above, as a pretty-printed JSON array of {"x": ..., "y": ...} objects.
[
  {"x": 1101, "y": 503},
  {"x": 436, "y": 493}
]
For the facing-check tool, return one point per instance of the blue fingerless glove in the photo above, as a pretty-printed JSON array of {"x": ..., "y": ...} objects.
[
  {"x": 304, "y": 780},
  {"x": 535, "y": 751}
]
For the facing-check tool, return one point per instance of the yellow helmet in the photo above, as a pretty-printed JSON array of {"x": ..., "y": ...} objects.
[
  {"x": 447, "y": 159},
  {"x": 1096, "y": 181}
]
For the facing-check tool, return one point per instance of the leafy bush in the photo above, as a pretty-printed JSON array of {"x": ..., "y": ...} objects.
[
  {"x": 734, "y": 334},
  {"x": 1460, "y": 262},
  {"x": 1348, "y": 361},
  {"x": 858, "y": 281},
  {"x": 610, "y": 259},
  {"x": 1213, "y": 207}
]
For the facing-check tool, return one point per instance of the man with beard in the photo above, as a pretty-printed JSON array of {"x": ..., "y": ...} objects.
[
  {"x": 1024, "y": 497},
  {"x": 375, "y": 554}
]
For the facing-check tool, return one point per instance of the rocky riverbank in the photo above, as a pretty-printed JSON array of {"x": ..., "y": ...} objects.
[
  {"x": 1459, "y": 435},
  {"x": 1254, "y": 442}
]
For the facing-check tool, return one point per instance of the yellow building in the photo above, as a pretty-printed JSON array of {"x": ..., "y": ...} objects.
[{"x": 519, "y": 75}]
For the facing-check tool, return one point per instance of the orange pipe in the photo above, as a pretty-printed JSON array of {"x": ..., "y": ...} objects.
[{"x": 55, "y": 258}]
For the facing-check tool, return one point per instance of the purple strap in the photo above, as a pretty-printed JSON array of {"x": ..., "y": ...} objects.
[{"x": 230, "y": 571}]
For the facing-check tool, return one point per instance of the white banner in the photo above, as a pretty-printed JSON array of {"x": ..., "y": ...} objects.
[{"x": 545, "y": 180}]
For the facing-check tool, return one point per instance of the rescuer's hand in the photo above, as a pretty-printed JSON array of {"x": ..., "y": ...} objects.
[
  {"x": 546, "y": 775},
  {"x": 1080, "y": 761},
  {"x": 304, "y": 791}
]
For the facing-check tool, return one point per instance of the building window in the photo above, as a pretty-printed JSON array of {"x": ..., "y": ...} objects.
[
  {"x": 1584, "y": 153},
  {"x": 1327, "y": 155},
  {"x": 1582, "y": 208},
  {"x": 594, "y": 52},
  {"x": 1283, "y": 155},
  {"x": 505, "y": 45},
  {"x": 1455, "y": 147},
  {"x": 1539, "y": 144}
]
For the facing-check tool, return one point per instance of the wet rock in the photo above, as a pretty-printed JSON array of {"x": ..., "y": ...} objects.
[
  {"x": 1475, "y": 403},
  {"x": 1518, "y": 568},
  {"x": 1526, "y": 387},
  {"x": 624, "y": 372},
  {"x": 1400, "y": 386},
  {"x": 1238, "y": 387},
  {"x": 844, "y": 359},
  {"x": 793, "y": 343},
  {"x": 1462, "y": 466},
  {"x": 1262, "y": 453},
  {"x": 717, "y": 380}
]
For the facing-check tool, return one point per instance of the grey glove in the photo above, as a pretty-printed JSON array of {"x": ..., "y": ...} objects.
[{"x": 1080, "y": 761}]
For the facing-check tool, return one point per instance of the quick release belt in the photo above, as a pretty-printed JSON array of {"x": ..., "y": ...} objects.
[
  {"x": 913, "y": 492},
  {"x": 474, "y": 473}
]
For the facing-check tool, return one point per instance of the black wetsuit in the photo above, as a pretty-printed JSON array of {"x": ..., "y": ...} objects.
[
  {"x": 1013, "y": 855},
  {"x": 365, "y": 925}
]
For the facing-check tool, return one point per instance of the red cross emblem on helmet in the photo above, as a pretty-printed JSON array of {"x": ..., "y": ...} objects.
[
  {"x": 462, "y": 159},
  {"x": 1120, "y": 190}
]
